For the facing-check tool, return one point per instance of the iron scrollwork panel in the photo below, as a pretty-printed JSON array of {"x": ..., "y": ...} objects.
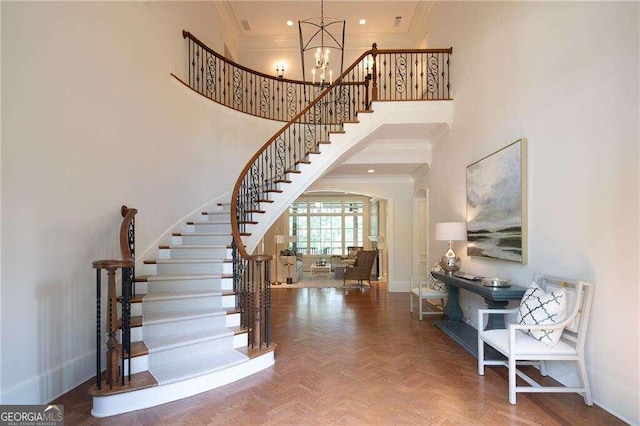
[
  {"x": 211, "y": 76},
  {"x": 237, "y": 86},
  {"x": 433, "y": 71},
  {"x": 401, "y": 74},
  {"x": 265, "y": 95}
]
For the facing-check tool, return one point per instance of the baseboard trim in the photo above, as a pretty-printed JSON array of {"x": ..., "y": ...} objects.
[{"x": 53, "y": 383}]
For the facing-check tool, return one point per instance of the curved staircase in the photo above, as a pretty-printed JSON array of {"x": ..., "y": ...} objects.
[{"x": 186, "y": 332}]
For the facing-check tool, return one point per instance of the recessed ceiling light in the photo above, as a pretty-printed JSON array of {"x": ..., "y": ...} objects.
[
  {"x": 290, "y": 23},
  {"x": 362, "y": 21},
  {"x": 371, "y": 171}
]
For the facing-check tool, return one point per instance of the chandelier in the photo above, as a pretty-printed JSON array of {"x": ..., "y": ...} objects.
[{"x": 318, "y": 37}]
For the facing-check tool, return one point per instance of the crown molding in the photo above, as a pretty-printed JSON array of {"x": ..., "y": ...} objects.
[
  {"x": 229, "y": 19},
  {"x": 391, "y": 145},
  {"x": 368, "y": 179},
  {"x": 418, "y": 26},
  {"x": 359, "y": 42},
  {"x": 422, "y": 171}
]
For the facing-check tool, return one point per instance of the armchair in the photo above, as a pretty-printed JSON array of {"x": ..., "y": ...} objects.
[
  {"x": 361, "y": 269},
  {"x": 528, "y": 341}
]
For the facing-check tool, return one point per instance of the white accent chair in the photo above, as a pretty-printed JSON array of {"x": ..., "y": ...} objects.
[
  {"x": 522, "y": 349},
  {"x": 421, "y": 289}
]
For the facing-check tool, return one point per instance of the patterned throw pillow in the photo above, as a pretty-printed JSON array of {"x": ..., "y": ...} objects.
[
  {"x": 434, "y": 284},
  {"x": 540, "y": 308}
]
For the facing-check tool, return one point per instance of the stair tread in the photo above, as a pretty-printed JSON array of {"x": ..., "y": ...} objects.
[
  {"x": 138, "y": 381},
  {"x": 137, "y": 349},
  {"x": 135, "y": 298},
  {"x": 171, "y": 277},
  {"x": 256, "y": 352},
  {"x": 202, "y": 234},
  {"x": 161, "y": 343},
  {"x": 168, "y": 295},
  {"x": 207, "y": 222},
  {"x": 168, "y": 316},
  {"x": 197, "y": 246},
  {"x": 198, "y": 366},
  {"x": 238, "y": 329},
  {"x": 193, "y": 260}
]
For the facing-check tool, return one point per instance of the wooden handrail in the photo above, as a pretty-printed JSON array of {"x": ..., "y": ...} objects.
[
  {"x": 373, "y": 51},
  {"x": 186, "y": 34},
  {"x": 125, "y": 247},
  {"x": 235, "y": 230},
  {"x": 252, "y": 92}
]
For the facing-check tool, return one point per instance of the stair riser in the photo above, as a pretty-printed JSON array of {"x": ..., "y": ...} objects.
[
  {"x": 176, "y": 328},
  {"x": 228, "y": 301},
  {"x": 224, "y": 239},
  {"x": 138, "y": 364},
  {"x": 196, "y": 253},
  {"x": 232, "y": 320},
  {"x": 173, "y": 305},
  {"x": 195, "y": 268},
  {"x": 213, "y": 284},
  {"x": 224, "y": 302},
  {"x": 222, "y": 217},
  {"x": 212, "y": 227},
  {"x": 209, "y": 347},
  {"x": 240, "y": 340}
]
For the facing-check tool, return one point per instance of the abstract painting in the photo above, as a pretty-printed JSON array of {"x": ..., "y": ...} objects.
[{"x": 496, "y": 205}]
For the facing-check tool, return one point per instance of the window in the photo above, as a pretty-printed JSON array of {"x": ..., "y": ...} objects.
[{"x": 327, "y": 227}]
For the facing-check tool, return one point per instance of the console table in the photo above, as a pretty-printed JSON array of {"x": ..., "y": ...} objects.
[{"x": 495, "y": 298}]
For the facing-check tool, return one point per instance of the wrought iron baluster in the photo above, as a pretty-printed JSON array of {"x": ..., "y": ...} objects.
[
  {"x": 126, "y": 321},
  {"x": 98, "y": 329}
]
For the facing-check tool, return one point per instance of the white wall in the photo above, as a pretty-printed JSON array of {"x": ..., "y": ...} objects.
[
  {"x": 398, "y": 194},
  {"x": 565, "y": 76},
  {"x": 92, "y": 120}
]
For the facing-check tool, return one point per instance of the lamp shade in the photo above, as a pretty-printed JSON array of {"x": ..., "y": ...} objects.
[
  {"x": 451, "y": 231},
  {"x": 280, "y": 239}
]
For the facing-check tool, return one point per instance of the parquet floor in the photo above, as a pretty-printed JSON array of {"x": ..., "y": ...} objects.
[{"x": 357, "y": 357}]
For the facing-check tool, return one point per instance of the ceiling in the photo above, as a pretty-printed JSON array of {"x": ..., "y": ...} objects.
[
  {"x": 391, "y": 151},
  {"x": 268, "y": 18}
]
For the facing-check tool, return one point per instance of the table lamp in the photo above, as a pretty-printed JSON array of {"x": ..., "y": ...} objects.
[
  {"x": 290, "y": 262},
  {"x": 279, "y": 239},
  {"x": 450, "y": 231}
]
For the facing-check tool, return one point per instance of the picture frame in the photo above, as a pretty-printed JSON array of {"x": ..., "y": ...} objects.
[{"x": 497, "y": 204}]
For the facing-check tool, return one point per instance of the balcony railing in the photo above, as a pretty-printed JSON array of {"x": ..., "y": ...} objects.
[{"x": 242, "y": 89}]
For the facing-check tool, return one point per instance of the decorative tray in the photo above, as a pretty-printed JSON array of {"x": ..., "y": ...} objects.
[{"x": 496, "y": 282}]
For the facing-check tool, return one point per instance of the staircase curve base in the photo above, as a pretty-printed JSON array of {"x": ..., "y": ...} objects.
[{"x": 105, "y": 406}]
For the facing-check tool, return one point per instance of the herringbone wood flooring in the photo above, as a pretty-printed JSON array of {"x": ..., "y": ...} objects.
[{"x": 357, "y": 357}]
